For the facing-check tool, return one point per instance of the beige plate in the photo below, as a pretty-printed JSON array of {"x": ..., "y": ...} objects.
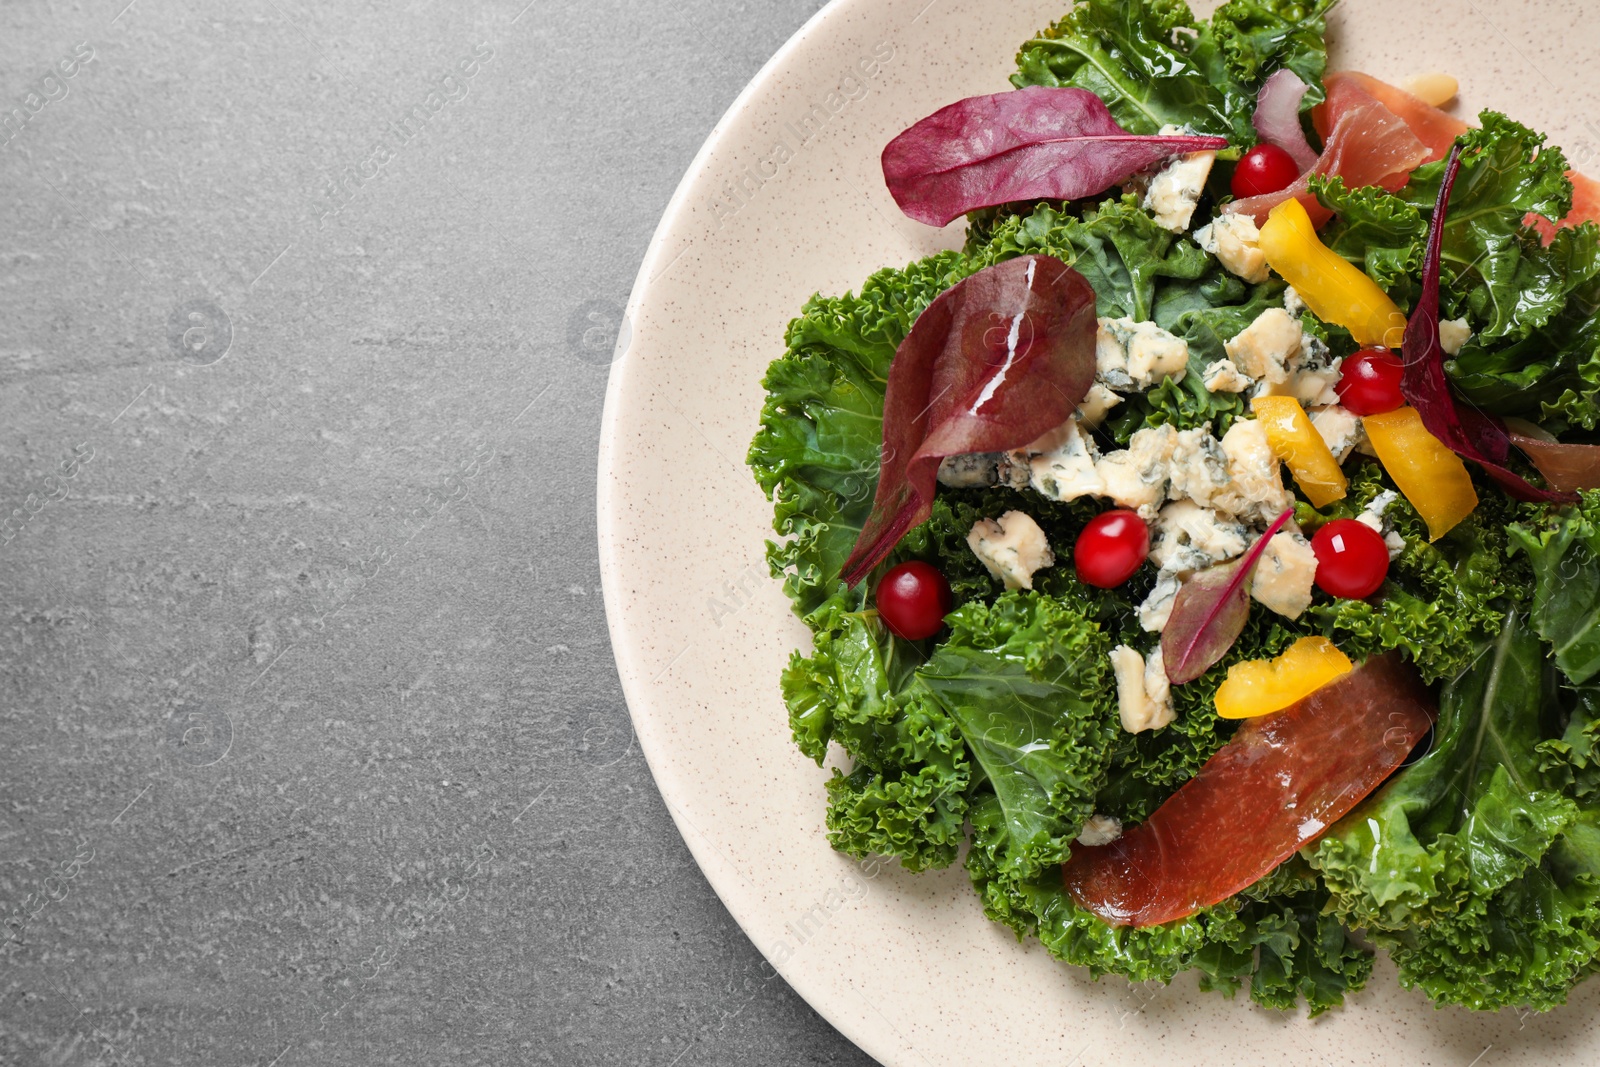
[{"x": 786, "y": 200}]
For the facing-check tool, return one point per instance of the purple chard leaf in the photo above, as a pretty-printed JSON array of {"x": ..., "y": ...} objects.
[
  {"x": 1038, "y": 143},
  {"x": 1210, "y": 612},
  {"x": 1466, "y": 431}
]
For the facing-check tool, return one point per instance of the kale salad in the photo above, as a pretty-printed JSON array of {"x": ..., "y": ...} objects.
[{"x": 1207, "y": 555}]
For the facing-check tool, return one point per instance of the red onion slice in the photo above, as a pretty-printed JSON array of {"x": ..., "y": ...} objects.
[{"x": 1277, "y": 117}]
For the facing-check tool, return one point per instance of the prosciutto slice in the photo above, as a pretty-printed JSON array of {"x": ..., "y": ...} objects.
[
  {"x": 1585, "y": 208},
  {"x": 1281, "y": 781},
  {"x": 1365, "y": 144},
  {"x": 1436, "y": 129}
]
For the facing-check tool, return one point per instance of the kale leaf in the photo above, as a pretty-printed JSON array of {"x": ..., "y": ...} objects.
[
  {"x": 1565, "y": 552},
  {"x": 1536, "y": 349},
  {"x": 1155, "y": 65}
]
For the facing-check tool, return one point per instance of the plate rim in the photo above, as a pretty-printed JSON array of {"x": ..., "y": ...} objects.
[{"x": 635, "y": 692}]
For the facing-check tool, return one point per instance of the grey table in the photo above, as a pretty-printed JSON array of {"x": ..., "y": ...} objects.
[{"x": 314, "y": 751}]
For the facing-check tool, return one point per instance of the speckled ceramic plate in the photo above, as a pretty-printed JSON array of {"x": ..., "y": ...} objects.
[{"x": 784, "y": 200}]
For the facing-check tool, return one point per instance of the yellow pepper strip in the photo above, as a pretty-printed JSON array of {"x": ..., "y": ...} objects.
[
  {"x": 1333, "y": 288},
  {"x": 1431, "y": 476},
  {"x": 1297, "y": 443},
  {"x": 1260, "y": 687}
]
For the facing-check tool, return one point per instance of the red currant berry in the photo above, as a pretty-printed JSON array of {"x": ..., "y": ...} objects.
[
  {"x": 1369, "y": 382},
  {"x": 1352, "y": 560},
  {"x": 913, "y": 600},
  {"x": 1111, "y": 548},
  {"x": 1264, "y": 169}
]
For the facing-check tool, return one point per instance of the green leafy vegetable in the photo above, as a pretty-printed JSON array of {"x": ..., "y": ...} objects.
[
  {"x": 1155, "y": 65},
  {"x": 1566, "y": 599},
  {"x": 1442, "y": 599},
  {"x": 1471, "y": 866},
  {"x": 1024, "y": 681},
  {"x": 817, "y": 452},
  {"x": 1536, "y": 349}
]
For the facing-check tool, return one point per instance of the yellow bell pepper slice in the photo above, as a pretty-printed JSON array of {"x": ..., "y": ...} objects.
[
  {"x": 1260, "y": 687},
  {"x": 1332, "y": 287},
  {"x": 1297, "y": 443},
  {"x": 1431, "y": 476}
]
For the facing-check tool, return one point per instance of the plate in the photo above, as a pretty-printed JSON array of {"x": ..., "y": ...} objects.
[{"x": 786, "y": 199}]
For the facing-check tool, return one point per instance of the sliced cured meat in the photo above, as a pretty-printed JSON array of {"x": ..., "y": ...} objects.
[
  {"x": 1366, "y": 144},
  {"x": 1281, "y": 781},
  {"x": 1565, "y": 467},
  {"x": 1436, "y": 129},
  {"x": 1585, "y": 208}
]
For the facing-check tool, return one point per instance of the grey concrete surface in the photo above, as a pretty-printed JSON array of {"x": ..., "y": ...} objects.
[{"x": 313, "y": 747}]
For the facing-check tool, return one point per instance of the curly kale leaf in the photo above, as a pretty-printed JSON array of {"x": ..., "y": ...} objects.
[
  {"x": 1529, "y": 943},
  {"x": 1024, "y": 680},
  {"x": 1246, "y": 40},
  {"x": 1553, "y": 375},
  {"x": 816, "y": 453},
  {"x": 1377, "y": 231},
  {"x": 1279, "y": 941},
  {"x": 1154, "y": 64},
  {"x": 1571, "y": 760},
  {"x": 1494, "y": 269},
  {"x": 1467, "y": 820},
  {"x": 1443, "y": 599},
  {"x": 1302, "y": 953},
  {"x": 1536, "y": 352},
  {"x": 906, "y": 794},
  {"x": 1135, "y": 57},
  {"x": 1117, "y": 246},
  {"x": 1565, "y": 552}
]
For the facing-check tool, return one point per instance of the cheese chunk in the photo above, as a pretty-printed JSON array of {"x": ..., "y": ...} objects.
[
  {"x": 1012, "y": 547},
  {"x": 1264, "y": 348},
  {"x": 1131, "y": 355},
  {"x": 1137, "y": 477},
  {"x": 1256, "y": 493},
  {"x": 1067, "y": 471},
  {"x": 1157, "y": 607},
  {"x": 974, "y": 470},
  {"x": 1189, "y": 537},
  {"x": 1177, "y": 187},
  {"x": 1453, "y": 333},
  {"x": 1284, "y": 575},
  {"x": 1339, "y": 428},
  {"x": 1222, "y": 376},
  {"x": 1233, "y": 240},
  {"x": 1096, "y": 406},
  {"x": 1199, "y": 466},
  {"x": 1100, "y": 830},
  {"x": 1374, "y": 519},
  {"x": 1139, "y": 708},
  {"x": 1314, "y": 374}
]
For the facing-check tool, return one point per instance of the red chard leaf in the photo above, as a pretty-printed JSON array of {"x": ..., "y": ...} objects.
[
  {"x": 1209, "y": 613},
  {"x": 1466, "y": 431},
  {"x": 993, "y": 363},
  {"x": 1038, "y": 143}
]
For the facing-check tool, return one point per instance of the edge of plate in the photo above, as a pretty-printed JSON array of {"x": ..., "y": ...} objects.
[{"x": 636, "y": 691}]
